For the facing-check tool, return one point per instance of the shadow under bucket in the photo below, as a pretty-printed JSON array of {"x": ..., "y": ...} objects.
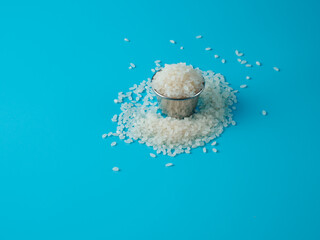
[{"x": 177, "y": 107}]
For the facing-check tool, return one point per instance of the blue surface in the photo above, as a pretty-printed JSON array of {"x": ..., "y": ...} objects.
[{"x": 61, "y": 66}]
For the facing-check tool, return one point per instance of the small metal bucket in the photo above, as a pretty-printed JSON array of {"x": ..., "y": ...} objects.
[{"x": 177, "y": 107}]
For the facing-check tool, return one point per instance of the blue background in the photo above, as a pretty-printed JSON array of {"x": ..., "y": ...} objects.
[{"x": 62, "y": 64}]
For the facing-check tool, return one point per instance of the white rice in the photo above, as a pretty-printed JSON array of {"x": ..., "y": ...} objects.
[
  {"x": 276, "y": 69},
  {"x": 152, "y": 155},
  {"x": 173, "y": 42},
  {"x": 248, "y": 65},
  {"x": 113, "y": 144},
  {"x": 264, "y": 112},
  {"x": 199, "y": 36},
  {"x": 258, "y": 63},
  {"x": 223, "y": 60},
  {"x": 169, "y": 136},
  {"x": 114, "y": 118},
  {"x": 214, "y": 150},
  {"x": 243, "y": 86},
  {"x": 169, "y": 164},
  {"x": 214, "y": 143},
  {"x": 247, "y": 77},
  {"x": 239, "y": 54},
  {"x": 216, "y": 56},
  {"x": 178, "y": 81},
  {"x": 181, "y": 48},
  {"x": 204, "y": 150},
  {"x": 104, "y": 135},
  {"x": 115, "y": 169},
  {"x": 243, "y": 62},
  {"x": 132, "y": 65},
  {"x": 127, "y": 40},
  {"x": 208, "y": 49}
]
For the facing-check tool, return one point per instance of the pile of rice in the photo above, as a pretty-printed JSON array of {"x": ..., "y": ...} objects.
[
  {"x": 142, "y": 120},
  {"x": 178, "y": 81}
]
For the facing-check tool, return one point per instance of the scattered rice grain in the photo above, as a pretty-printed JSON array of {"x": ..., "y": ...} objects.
[
  {"x": 115, "y": 169},
  {"x": 132, "y": 65},
  {"x": 239, "y": 54}
]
